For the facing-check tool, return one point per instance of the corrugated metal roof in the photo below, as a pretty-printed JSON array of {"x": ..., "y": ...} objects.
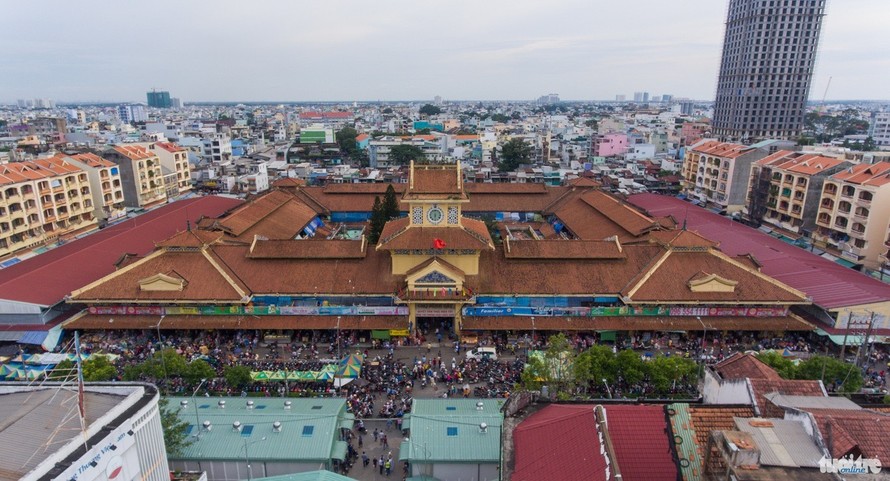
[
  {"x": 308, "y": 429},
  {"x": 782, "y": 443},
  {"x": 820, "y": 402},
  {"x": 830, "y": 285},
  {"x": 308, "y": 476},
  {"x": 447, "y": 430},
  {"x": 684, "y": 442}
]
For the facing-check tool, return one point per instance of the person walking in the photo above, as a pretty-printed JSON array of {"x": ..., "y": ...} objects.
[
  {"x": 388, "y": 465},
  {"x": 385, "y": 441},
  {"x": 375, "y": 462},
  {"x": 365, "y": 460},
  {"x": 380, "y": 463}
]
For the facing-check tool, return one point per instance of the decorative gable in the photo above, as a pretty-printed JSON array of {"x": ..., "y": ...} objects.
[
  {"x": 435, "y": 277},
  {"x": 703, "y": 282},
  {"x": 162, "y": 282}
]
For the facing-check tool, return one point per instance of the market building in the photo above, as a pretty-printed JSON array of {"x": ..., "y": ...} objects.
[{"x": 570, "y": 258}]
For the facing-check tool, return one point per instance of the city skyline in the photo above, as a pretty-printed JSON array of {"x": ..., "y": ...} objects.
[{"x": 276, "y": 51}]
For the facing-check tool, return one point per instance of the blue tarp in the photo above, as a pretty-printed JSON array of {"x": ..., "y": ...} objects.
[{"x": 33, "y": 337}]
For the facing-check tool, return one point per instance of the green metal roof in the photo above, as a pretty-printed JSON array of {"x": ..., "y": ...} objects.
[
  {"x": 447, "y": 430},
  {"x": 308, "y": 476},
  {"x": 684, "y": 438},
  {"x": 308, "y": 429}
]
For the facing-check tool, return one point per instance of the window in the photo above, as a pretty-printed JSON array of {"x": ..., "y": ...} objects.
[
  {"x": 316, "y": 407},
  {"x": 450, "y": 408},
  {"x": 451, "y": 431},
  {"x": 452, "y": 215},
  {"x": 308, "y": 430},
  {"x": 246, "y": 431},
  {"x": 417, "y": 215}
]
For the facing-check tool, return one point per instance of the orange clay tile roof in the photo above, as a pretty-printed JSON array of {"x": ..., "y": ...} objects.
[
  {"x": 720, "y": 149},
  {"x": 93, "y": 160},
  {"x": 96, "y": 321},
  {"x": 56, "y": 165},
  {"x": 800, "y": 163},
  {"x": 361, "y": 137},
  {"x": 204, "y": 281},
  {"x": 289, "y": 182},
  {"x": 848, "y": 431},
  {"x": 620, "y": 213},
  {"x": 134, "y": 152},
  {"x": 399, "y": 234},
  {"x": 792, "y": 387},
  {"x": 741, "y": 366},
  {"x": 562, "y": 249},
  {"x": 680, "y": 238},
  {"x": 16, "y": 172},
  {"x": 307, "y": 249},
  {"x": 704, "y": 419},
  {"x": 169, "y": 146},
  {"x": 274, "y": 215},
  {"x": 190, "y": 238},
  {"x": 669, "y": 280},
  {"x": 865, "y": 174},
  {"x": 631, "y": 323},
  {"x": 436, "y": 180}
]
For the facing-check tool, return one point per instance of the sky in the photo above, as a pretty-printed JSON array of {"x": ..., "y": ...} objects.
[{"x": 297, "y": 50}]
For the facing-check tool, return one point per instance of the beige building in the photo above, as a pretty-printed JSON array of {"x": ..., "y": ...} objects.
[
  {"x": 175, "y": 167},
  {"x": 42, "y": 201},
  {"x": 715, "y": 174},
  {"x": 105, "y": 185},
  {"x": 141, "y": 175},
  {"x": 785, "y": 188},
  {"x": 855, "y": 212}
]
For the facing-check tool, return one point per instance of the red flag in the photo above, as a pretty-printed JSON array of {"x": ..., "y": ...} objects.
[{"x": 438, "y": 244}]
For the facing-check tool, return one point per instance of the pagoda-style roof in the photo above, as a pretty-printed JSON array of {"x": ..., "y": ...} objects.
[{"x": 435, "y": 182}]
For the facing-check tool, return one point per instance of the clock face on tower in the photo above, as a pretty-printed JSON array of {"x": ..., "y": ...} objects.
[{"x": 435, "y": 214}]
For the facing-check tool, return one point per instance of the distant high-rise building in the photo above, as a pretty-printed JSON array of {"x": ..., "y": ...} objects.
[
  {"x": 131, "y": 113},
  {"x": 549, "y": 99},
  {"x": 160, "y": 100},
  {"x": 437, "y": 100},
  {"x": 175, "y": 103},
  {"x": 667, "y": 98},
  {"x": 687, "y": 107},
  {"x": 645, "y": 97},
  {"x": 769, "y": 52},
  {"x": 638, "y": 96},
  {"x": 620, "y": 98}
]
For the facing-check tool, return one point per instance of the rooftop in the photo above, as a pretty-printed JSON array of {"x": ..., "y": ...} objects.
[{"x": 448, "y": 430}]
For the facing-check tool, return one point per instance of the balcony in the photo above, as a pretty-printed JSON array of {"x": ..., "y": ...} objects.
[
  {"x": 863, "y": 202},
  {"x": 858, "y": 234}
]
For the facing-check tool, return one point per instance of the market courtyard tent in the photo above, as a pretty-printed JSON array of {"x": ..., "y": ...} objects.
[{"x": 351, "y": 366}]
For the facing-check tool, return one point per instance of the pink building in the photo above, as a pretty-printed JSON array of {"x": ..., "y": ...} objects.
[
  {"x": 692, "y": 132},
  {"x": 610, "y": 145}
]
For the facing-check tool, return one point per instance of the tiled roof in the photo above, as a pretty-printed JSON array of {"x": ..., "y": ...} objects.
[
  {"x": 562, "y": 249},
  {"x": 704, "y": 419},
  {"x": 829, "y": 284},
  {"x": 77, "y": 263},
  {"x": 865, "y": 174},
  {"x": 134, "y": 152},
  {"x": 435, "y": 180},
  {"x": 640, "y": 436},
  {"x": 274, "y": 215},
  {"x": 681, "y": 238},
  {"x": 15, "y": 172},
  {"x": 93, "y": 160},
  {"x": 308, "y": 249},
  {"x": 399, "y": 234},
  {"x": 719, "y": 149},
  {"x": 190, "y": 238},
  {"x": 848, "y": 431},
  {"x": 559, "y": 442},
  {"x": 625, "y": 216},
  {"x": 800, "y": 163},
  {"x": 797, "y": 387},
  {"x": 169, "y": 146},
  {"x": 289, "y": 182},
  {"x": 741, "y": 366},
  {"x": 592, "y": 216}
]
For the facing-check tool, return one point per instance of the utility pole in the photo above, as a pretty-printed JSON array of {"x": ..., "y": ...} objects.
[
  {"x": 862, "y": 355},
  {"x": 846, "y": 334}
]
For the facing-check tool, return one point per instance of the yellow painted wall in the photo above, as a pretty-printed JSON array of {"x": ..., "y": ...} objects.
[
  {"x": 403, "y": 263},
  {"x": 863, "y": 312}
]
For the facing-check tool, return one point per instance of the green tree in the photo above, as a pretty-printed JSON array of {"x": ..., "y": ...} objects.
[
  {"x": 198, "y": 370},
  {"x": 237, "y": 376},
  {"x": 98, "y": 368},
  {"x": 666, "y": 371},
  {"x": 387, "y": 110},
  {"x": 346, "y": 140},
  {"x": 377, "y": 221},
  {"x": 500, "y": 118},
  {"x": 404, "y": 154},
  {"x": 430, "y": 109},
  {"x": 514, "y": 153},
  {"x": 553, "y": 368},
  {"x": 596, "y": 364},
  {"x": 843, "y": 376},
  {"x": 176, "y": 436},
  {"x": 631, "y": 367},
  {"x": 781, "y": 364},
  {"x": 390, "y": 204}
]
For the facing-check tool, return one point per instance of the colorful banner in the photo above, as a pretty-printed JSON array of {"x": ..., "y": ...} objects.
[
  {"x": 627, "y": 311},
  {"x": 398, "y": 332},
  {"x": 252, "y": 310}
]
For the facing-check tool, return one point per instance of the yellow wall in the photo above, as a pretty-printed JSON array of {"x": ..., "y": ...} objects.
[
  {"x": 469, "y": 264},
  {"x": 863, "y": 313}
]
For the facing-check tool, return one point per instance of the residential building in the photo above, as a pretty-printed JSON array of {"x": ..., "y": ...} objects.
[
  {"x": 317, "y": 133},
  {"x": 454, "y": 439},
  {"x": 785, "y": 189},
  {"x": 159, "y": 100},
  {"x": 217, "y": 148},
  {"x": 769, "y": 53},
  {"x": 119, "y": 437},
  {"x": 141, "y": 175},
  {"x": 880, "y": 128},
  {"x": 105, "y": 185},
  {"x": 715, "y": 174},
  {"x": 692, "y": 133},
  {"x": 174, "y": 165},
  {"x": 131, "y": 113},
  {"x": 43, "y": 201},
  {"x": 611, "y": 144},
  {"x": 248, "y": 438},
  {"x": 335, "y": 120},
  {"x": 855, "y": 212}
]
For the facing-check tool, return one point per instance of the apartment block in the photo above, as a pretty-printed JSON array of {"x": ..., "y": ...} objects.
[
  {"x": 715, "y": 174},
  {"x": 854, "y": 213},
  {"x": 42, "y": 201},
  {"x": 880, "y": 128},
  {"x": 785, "y": 188},
  {"x": 141, "y": 175},
  {"x": 175, "y": 167},
  {"x": 105, "y": 185}
]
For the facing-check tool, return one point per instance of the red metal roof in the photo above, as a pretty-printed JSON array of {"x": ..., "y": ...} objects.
[
  {"x": 640, "y": 438},
  {"x": 829, "y": 284},
  {"x": 559, "y": 442},
  {"x": 47, "y": 278}
]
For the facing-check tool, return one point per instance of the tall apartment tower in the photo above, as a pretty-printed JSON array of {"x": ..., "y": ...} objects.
[{"x": 769, "y": 53}]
